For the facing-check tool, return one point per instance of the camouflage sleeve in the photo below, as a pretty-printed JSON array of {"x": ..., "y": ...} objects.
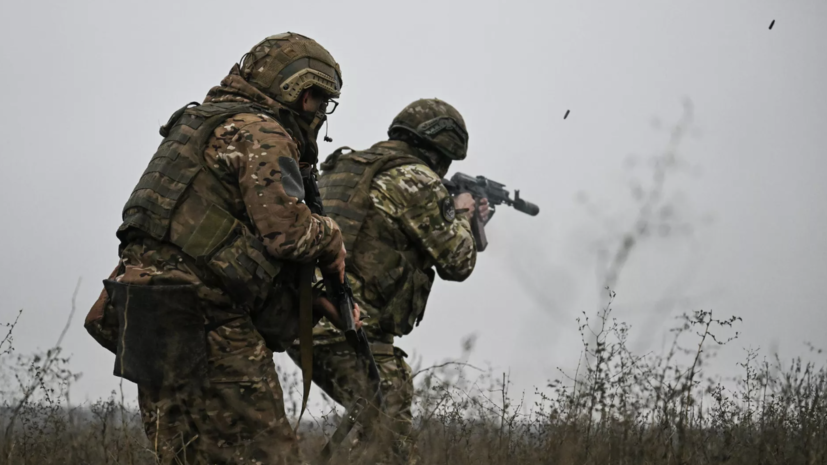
[
  {"x": 256, "y": 149},
  {"x": 413, "y": 197}
]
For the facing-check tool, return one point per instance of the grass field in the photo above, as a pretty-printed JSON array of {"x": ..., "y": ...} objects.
[{"x": 616, "y": 408}]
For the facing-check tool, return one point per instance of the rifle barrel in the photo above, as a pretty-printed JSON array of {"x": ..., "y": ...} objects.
[{"x": 526, "y": 207}]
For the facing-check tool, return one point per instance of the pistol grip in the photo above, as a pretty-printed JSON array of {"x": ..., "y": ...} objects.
[{"x": 478, "y": 231}]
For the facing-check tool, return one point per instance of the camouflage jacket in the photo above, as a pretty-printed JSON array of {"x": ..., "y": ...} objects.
[{"x": 410, "y": 228}]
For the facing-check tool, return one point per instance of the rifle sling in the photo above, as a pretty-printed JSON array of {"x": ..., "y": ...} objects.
[
  {"x": 352, "y": 416},
  {"x": 305, "y": 332}
]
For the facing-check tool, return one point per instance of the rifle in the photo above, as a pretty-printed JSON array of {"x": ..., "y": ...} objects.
[
  {"x": 482, "y": 187},
  {"x": 341, "y": 295}
]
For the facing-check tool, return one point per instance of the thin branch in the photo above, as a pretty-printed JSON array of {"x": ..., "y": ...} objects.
[
  {"x": 443, "y": 365},
  {"x": 51, "y": 355}
]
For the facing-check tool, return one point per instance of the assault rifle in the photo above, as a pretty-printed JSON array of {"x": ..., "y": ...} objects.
[
  {"x": 482, "y": 187},
  {"x": 341, "y": 295}
]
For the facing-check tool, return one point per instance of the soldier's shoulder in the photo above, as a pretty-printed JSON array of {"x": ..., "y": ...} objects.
[
  {"x": 413, "y": 175},
  {"x": 408, "y": 186},
  {"x": 260, "y": 124}
]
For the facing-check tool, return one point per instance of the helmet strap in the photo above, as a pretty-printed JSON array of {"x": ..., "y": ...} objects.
[
  {"x": 434, "y": 160},
  {"x": 423, "y": 150},
  {"x": 310, "y": 124}
]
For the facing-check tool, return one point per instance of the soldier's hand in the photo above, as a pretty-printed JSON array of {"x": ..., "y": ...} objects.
[
  {"x": 326, "y": 308},
  {"x": 357, "y": 315},
  {"x": 337, "y": 266},
  {"x": 464, "y": 203},
  {"x": 482, "y": 206}
]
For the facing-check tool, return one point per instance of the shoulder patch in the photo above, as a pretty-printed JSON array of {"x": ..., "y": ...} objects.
[
  {"x": 291, "y": 177},
  {"x": 449, "y": 212}
]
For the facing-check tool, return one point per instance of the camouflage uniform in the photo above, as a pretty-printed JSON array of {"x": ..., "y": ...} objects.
[
  {"x": 210, "y": 244},
  {"x": 407, "y": 227}
]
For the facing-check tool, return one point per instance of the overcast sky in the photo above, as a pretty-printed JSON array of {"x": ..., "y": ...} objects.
[{"x": 86, "y": 85}]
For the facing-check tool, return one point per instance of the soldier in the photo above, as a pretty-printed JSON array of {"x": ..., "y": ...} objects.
[
  {"x": 398, "y": 223},
  {"x": 212, "y": 240}
]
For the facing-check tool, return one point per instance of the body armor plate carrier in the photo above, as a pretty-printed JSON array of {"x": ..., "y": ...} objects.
[
  {"x": 395, "y": 282},
  {"x": 180, "y": 200}
]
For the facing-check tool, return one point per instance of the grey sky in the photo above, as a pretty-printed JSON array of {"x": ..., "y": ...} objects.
[{"x": 86, "y": 85}]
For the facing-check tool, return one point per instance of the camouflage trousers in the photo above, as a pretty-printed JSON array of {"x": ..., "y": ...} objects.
[
  {"x": 337, "y": 372},
  {"x": 237, "y": 418}
]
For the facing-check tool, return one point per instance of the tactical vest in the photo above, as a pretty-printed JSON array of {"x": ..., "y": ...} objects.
[
  {"x": 394, "y": 278},
  {"x": 180, "y": 200}
]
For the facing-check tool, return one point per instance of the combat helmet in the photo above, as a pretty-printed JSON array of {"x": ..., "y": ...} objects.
[
  {"x": 436, "y": 124},
  {"x": 284, "y": 65}
]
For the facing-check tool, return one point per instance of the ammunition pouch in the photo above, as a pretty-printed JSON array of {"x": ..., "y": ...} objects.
[
  {"x": 161, "y": 335},
  {"x": 102, "y": 321},
  {"x": 234, "y": 255}
]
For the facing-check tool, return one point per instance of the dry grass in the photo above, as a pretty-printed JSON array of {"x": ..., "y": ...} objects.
[{"x": 618, "y": 408}]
